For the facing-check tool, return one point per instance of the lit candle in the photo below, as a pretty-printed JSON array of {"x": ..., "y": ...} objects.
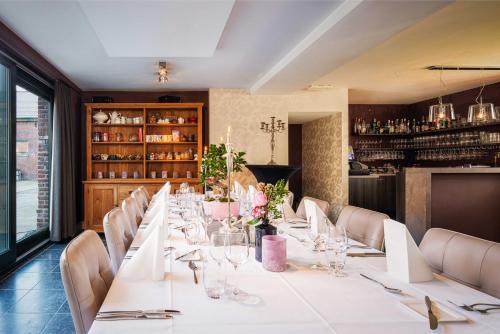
[
  {"x": 221, "y": 140},
  {"x": 228, "y": 139}
]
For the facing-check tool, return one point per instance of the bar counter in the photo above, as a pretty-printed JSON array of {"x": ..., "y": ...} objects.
[{"x": 465, "y": 200}]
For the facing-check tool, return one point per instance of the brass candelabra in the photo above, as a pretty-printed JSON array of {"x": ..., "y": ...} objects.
[{"x": 275, "y": 126}]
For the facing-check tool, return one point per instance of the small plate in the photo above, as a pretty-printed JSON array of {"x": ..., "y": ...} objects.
[{"x": 443, "y": 313}]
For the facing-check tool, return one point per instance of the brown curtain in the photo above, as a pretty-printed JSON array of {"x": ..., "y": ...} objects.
[{"x": 63, "y": 213}]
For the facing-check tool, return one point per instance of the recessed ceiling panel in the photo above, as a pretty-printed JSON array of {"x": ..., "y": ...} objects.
[{"x": 158, "y": 28}]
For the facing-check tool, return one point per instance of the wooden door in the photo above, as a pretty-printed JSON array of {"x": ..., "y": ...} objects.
[{"x": 101, "y": 198}]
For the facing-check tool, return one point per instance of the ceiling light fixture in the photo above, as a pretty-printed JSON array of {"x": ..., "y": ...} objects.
[{"x": 162, "y": 72}]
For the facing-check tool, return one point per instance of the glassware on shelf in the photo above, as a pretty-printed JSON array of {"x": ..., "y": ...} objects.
[{"x": 481, "y": 112}]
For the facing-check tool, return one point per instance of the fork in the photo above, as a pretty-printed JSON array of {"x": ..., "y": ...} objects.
[{"x": 472, "y": 309}]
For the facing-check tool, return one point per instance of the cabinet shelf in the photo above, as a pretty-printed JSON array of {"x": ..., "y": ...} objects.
[
  {"x": 172, "y": 125},
  {"x": 116, "y": 143},
  {"x": 117, "y": 161},
  {"x": 171, "y": 161},
  {"x": 117, "y": 125},
  {"x": 173, "y": 143}
]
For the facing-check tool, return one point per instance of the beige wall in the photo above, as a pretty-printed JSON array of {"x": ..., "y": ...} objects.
[
  {"x": 326, "y": 142},
  {"x": 323, "y": 162}
]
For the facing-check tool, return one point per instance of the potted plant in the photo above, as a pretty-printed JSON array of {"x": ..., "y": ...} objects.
[
  {"x": 214, "y": 176},
  {"x": 266, "y": 206}
]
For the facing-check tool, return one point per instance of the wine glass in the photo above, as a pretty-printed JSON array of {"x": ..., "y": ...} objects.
[
  {"x": 192, "y": 231},
  {"x": 236, "y": 249},
  {"x": 217, "y": 247},
  {"x": 336, "y": 250}
]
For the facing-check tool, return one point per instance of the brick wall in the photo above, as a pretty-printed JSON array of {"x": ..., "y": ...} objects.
[{"x": 43, "y": 163}]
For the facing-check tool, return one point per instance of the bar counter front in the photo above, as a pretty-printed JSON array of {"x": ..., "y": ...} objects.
[{"x": 465, "y": 200}]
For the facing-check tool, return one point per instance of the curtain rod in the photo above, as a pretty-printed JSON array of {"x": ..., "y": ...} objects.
[{"x": 27, "y": 70}]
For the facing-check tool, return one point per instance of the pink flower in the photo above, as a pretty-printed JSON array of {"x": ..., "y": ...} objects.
[
  {"x": 256, "y": 212},
  {"x": 259, "y": 199},
  {"x": 210, "y": 180}
]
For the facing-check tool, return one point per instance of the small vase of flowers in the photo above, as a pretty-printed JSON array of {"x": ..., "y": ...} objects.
[
  {"x": 214, "y": 176},
  {"x": 266, "y": 206}
]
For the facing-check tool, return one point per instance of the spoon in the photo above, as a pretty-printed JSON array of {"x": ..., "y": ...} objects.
[
  {"x": 388, "y": 289},
  {"x": 193, "y": 267}
]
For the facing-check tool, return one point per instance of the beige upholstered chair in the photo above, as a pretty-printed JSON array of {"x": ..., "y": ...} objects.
[
  {"x": 463, "y": 258},
  {"x": 363, "y": 225},
  {"x": 301, "y": 209},
  {"x": 118, "y": 236},
  {"x": 132, "y": 211},
  {"x": 146, "y": 193},
  {"x": 141, "y": 199},
  {"x": 87, "y": 275}
]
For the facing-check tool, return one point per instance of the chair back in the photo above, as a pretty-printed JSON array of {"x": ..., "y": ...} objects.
[
  {"x": 469, "y": 260},
  {"x": 141, "y": 199},
  {"x": 146, "y": 193},
  {"x": 363, "y": 225},
  {"x": 118, "y": 236},
  {"x": 132, "y": 211},
  {"x": 301, "y": 209},
  {"x": 87, "y": 276}
]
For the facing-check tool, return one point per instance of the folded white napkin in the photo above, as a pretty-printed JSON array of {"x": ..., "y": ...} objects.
[
  {"x": 148, "y": 263},
  {"x": 317, "y": 217},
  {"x": 289, "y": 214}
]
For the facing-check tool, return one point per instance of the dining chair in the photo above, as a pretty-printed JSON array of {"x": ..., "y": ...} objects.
[
  {"x": 301, "y": 209},
  {"x": 132, "y": 211},
  {"x": 141, "y": 199},
  {"x": 463, "y": 258},
  {"x": 146, "y": 193},
  {"x": 118, "y": 235},
  {"x": 316, "y": 216},
  {"x": 86, "y": 275},
  {"x": 363, "y": 225}
]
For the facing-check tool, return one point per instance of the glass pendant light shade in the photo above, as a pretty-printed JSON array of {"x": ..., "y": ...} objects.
[
  {"x": 441, "y": 111},
  {"x": 482, "y": 112}
]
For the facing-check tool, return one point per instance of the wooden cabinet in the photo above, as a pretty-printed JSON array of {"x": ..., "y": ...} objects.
[
  {"x": 102, "y": 197},
  {"x": 152, "y": 141}
]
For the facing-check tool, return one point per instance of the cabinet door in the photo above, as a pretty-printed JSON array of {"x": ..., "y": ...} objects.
[
  {"x": 124, "y": 191},
  {"x": 99, "y": 201}
]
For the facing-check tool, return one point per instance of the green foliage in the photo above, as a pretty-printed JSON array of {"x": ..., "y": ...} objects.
[
  {"x": 275, "y": 195},
  {"x": 214, "y": 168}
]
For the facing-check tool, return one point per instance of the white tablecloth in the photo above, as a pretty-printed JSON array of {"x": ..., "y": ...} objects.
[{"x": 299, "y": 300}]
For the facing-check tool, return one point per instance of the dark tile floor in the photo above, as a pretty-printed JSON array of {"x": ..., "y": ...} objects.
[{"x": 32, "y": 298}]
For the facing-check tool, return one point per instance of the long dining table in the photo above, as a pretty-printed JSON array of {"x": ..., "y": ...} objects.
[{"x": 299, "y": 300}]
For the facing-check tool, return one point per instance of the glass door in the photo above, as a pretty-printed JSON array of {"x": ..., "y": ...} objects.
[{"x": 7, "y": 239}]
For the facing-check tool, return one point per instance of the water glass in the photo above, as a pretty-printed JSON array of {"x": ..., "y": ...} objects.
[
  {"x": 336, "y": 250},
  {"x": 217, "y": 250},
  {"x": 214, "y": 279}
]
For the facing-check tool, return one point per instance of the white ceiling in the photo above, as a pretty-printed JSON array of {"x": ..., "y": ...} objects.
[{"x": 376, "y": 48}]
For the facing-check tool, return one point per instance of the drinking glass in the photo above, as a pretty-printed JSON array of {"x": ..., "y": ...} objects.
[
  {"x": 236, "y": 249},
  {"x": 214, "y": 279},
  {"x": 336, "y": 250},
  {"x": 217, "y": 247},
  {"x": 192, "y": 231}
]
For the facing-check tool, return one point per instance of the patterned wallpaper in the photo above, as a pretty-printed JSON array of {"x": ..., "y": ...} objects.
[{"x": 322, "y": 162}]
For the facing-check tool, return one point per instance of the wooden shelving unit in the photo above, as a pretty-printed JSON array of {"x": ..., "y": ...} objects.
[{"x": 102, "y": 194}]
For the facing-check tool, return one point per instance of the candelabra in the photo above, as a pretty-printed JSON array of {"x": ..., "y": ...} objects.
[{"x": 272, "y": 128}]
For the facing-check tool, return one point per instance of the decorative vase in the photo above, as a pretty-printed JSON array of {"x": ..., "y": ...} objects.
[
  {"x": 261, "y": 230},
  {"x": 219, "y": 209},
  {"x": 274, "y": 253}
]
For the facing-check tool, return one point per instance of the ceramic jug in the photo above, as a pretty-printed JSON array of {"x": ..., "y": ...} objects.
[{"x": 115, "y": 117}]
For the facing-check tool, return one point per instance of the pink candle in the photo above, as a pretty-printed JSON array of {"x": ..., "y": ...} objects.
[{"x": 274, "y": 253}]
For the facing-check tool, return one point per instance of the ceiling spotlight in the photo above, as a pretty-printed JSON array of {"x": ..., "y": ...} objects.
[{"x": 162, "y": 72}]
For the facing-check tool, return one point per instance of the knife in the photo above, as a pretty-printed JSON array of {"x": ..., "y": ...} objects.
[
  {"x": 433, "y": 321},
  {"x": 188, "y": 253},
  {"x": 366, "y": 254}
]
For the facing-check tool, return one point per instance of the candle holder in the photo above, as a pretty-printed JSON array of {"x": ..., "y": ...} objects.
[{"x": 273, "y": 127}]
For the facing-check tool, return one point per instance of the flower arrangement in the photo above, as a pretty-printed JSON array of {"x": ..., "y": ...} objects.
[
  {"x": 266, "y": 201},
  {"x": 214, "y": 168}
]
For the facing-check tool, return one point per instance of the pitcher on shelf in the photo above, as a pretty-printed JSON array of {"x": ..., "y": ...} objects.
[{"x": 115, "y": 117}]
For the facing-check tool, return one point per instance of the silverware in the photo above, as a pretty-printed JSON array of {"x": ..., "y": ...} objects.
[
  {"x": 188, "y": 253},
  {"x": 472, "y": 307},
  {"x": 386, "y": 288},
  {"x": 140, "y": 311},
  {"x": 299, "y": 226},
  {"x": 359, "y": 246},
  {"x": 165, "y": 248},
  {"x": 296, "y": 237},
  {"x": 366, "y": 254},
  {"x": 138, "y": 316},
  {"x": 128, "y": 257},
  {"x": 193, "y": 267},
  {"x": 433, "y": 321}
]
